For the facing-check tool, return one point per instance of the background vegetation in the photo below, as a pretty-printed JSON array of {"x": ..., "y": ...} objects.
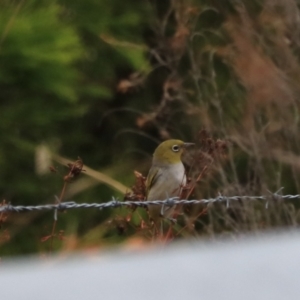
[{"x": 108, "y": 80}]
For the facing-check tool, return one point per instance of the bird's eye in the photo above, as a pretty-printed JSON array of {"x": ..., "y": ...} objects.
[{"x": 175, "y": 148}]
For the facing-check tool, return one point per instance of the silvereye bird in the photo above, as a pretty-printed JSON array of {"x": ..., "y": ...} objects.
[{"x": 166, "y": 176}]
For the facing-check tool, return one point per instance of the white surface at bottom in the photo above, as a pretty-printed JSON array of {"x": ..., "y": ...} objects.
[{"x": 250, "y": 269}]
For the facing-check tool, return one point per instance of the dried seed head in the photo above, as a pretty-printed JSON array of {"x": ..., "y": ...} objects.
[
  {"x": 138, "y": 191},
  {"x": 75, "y": 169}
]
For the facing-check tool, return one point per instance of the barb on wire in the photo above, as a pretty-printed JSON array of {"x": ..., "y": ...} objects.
[{"x": 115, "y": 203}]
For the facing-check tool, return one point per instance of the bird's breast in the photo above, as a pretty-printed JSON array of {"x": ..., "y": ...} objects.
[{"x": 169, "y": 183}]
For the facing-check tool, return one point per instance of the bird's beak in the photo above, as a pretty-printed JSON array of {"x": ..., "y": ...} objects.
[{"x": 185, "y": 145}]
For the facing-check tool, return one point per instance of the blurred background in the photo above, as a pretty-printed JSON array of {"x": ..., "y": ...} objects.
[{"x": 107, "y": 81}]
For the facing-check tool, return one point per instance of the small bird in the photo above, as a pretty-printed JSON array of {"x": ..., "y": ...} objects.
[{"x": 166, "y": 176}]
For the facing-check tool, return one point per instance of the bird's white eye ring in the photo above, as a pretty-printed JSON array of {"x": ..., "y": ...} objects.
[{"x": 175, "y": 148}]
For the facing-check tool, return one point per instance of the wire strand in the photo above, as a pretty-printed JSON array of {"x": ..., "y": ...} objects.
[{"x": 114, "y": 203}]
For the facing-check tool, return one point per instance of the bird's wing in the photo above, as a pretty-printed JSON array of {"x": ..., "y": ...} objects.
[{"x": 154, "y": 174}]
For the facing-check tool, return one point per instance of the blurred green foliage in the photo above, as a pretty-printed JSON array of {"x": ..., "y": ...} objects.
[{"x": 57, "y": 80}]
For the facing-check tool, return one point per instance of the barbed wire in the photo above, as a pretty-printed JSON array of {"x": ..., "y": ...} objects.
[{"x": 114, "y": 203}]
